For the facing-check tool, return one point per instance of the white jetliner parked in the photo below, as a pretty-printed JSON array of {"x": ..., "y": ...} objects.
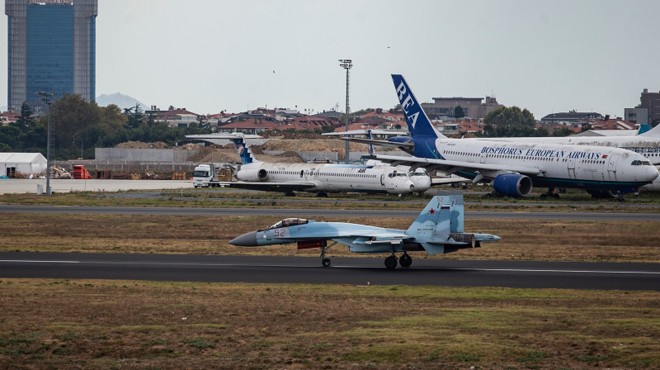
[
  {"x": 514, "y": 167},
  {"x": 646, "y": 144},
  {"x": 319, "y": 178}
]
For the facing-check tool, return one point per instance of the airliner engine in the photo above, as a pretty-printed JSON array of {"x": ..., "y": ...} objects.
[
  {"x": 512, "y": 185},
  {"x": 252, "y": 175}
]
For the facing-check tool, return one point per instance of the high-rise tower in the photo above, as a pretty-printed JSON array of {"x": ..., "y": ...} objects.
[{"x": 52, "y": 48}]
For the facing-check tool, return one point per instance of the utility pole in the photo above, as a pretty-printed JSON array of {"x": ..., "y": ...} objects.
[
  {"x": 346, "y": 64},
  {"x": 46, "y": 98}
]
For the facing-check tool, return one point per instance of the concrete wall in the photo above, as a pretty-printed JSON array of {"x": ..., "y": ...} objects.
[{"x": 143, "y": 155}]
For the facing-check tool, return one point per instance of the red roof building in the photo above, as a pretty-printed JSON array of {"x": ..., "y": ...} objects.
[{"x": 254, "y": 126}]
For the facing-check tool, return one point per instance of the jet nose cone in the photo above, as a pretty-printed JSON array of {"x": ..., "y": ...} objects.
[
  {"x": 652, "y": 173},
  {"x": 245, "y": 240}
]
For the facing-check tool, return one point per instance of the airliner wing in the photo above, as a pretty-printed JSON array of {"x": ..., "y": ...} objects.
[
  {"x": 379, "y": 142},
  {"x": 448, "y": 180},
  {"x": 451, "y": 167},
  {"x": 367, "y": 132},
  {"x": 269, "y": 186}
]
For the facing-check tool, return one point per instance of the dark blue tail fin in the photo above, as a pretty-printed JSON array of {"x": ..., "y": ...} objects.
[{"x": 419, "y": 124}]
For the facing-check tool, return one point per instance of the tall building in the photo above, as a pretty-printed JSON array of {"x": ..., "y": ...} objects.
[
  {"x": 651, "y": 101},
  {"x": 472, "y": 107},
  {"x": 646, "y": 112},
  {"x": 52, "y": 49}
]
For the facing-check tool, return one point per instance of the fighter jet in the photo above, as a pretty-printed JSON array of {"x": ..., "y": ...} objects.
[{"x": 438, "y": 229}]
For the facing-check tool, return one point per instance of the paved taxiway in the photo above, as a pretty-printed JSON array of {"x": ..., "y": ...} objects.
[
  {"x": 27, "y": 186},
  {"x": 317, "y": 212},
  {"x": 354, "y": 271}
]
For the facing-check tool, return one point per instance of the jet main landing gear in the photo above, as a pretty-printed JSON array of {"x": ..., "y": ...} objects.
[{"x": 405, "y": 261}]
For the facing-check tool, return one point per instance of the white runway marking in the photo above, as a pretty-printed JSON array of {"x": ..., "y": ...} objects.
[
  {"x": 565, "y": 271},
  {"x": 193, "y": 264},
  {"x": 38, "y": 261}
]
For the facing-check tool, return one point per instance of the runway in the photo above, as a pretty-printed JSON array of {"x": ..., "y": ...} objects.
[
  {"x": 353, "y": 271},
  {"x": 321, "y": 212}
]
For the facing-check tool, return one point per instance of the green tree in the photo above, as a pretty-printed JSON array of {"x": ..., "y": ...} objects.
[
  {"x": 135, "y": 115},
  {"x": 26, "y": 119},
  {"x": 71, "y": 115},
  {"x": 508, "y": 122},
  {"x": 459, "y": 112}
]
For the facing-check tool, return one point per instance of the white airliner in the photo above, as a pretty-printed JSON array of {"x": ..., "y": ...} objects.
[
  {"x": 321, "y": 178},
  {"x": 513, "y": 167},
  {"x": 646, "y": 144}
]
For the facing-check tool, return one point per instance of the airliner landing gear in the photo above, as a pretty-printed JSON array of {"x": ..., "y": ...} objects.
[
  {"x": 390, "y": 262},
  {"x": 550, "y": 194},
  {"x": 405, "y": 260}
]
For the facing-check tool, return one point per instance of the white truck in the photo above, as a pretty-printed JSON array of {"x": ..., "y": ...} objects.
[{"x": 211, "y": 175}]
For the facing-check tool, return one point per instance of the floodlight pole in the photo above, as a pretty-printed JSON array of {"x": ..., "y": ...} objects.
[
  {"x": 46, "y": 98},
  {"x": 346, "y": 64}
]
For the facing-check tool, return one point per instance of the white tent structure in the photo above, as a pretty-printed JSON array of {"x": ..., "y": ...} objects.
[{"x": 25, "y": 164}]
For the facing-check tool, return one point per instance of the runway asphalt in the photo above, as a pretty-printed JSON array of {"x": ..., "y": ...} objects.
[
  {"x": 334, "y": 212},
  {"x": 353, "y": 271}
]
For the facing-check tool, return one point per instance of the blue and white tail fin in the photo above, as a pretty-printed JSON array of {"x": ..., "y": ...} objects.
[
  {"x": 655, "y": 131},
  {"x": 243, "y": 150},
  {"x": 418, "y": 122},
  {"x": 237, "y": 138},
  {"x": 442, "y": 216}
]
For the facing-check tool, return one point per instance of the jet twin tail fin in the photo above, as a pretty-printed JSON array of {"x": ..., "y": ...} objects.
[
  {"x": 418, "y": 122},
  {"x": 442, "y": 216}
]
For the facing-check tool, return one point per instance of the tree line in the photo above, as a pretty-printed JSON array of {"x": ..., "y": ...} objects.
[
  {"x": 79, "y": 126},
  {"x": 514, "y": 122}
]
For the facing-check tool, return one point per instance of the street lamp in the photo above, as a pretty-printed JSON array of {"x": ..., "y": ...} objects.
[
  {"x": 73, "y": 141},
  {"x": 46, "y": 98},
  {"x": 346, "y": 64}
]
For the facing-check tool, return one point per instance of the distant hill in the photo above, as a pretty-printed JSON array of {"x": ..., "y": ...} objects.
[{"x": 120, "y": 100}]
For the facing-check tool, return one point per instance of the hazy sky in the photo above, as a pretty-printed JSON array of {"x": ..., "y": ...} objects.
[{"x": 211, "y": 55}]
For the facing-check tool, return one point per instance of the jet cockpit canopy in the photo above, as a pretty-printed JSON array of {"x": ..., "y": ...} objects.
[{"x": 289, "y": 222}]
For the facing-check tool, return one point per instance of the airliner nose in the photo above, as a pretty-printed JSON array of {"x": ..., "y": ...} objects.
[
  {"x": 245, "y": 240},
  {"x": 651, "y": 173}
]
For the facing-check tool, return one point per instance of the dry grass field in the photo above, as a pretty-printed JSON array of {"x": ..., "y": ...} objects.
[
  {"x": 127, "y": 324},
  {"x": 531, "y": 239}
]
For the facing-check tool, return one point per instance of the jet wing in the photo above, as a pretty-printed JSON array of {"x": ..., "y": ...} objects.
[
  {"x": 448, "y": 180},
  {"x": 269, "y": 186},
  {"x": 367, "y": 132},
  {"x": 378, "y": 142},
  {"x": 450, "y": 167}
]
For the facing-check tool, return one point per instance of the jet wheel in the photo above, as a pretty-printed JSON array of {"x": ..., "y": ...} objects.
[
  {"x": 390, "y": 262},
  {"x": 405, "y": 260},
  {"x": 326, "y": 262}
]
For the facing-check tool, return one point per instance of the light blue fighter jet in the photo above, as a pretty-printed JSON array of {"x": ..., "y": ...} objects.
[{"x": 438, "y": 229}]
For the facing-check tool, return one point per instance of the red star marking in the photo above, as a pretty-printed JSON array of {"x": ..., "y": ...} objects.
[{"x": 432, "y": 211}]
